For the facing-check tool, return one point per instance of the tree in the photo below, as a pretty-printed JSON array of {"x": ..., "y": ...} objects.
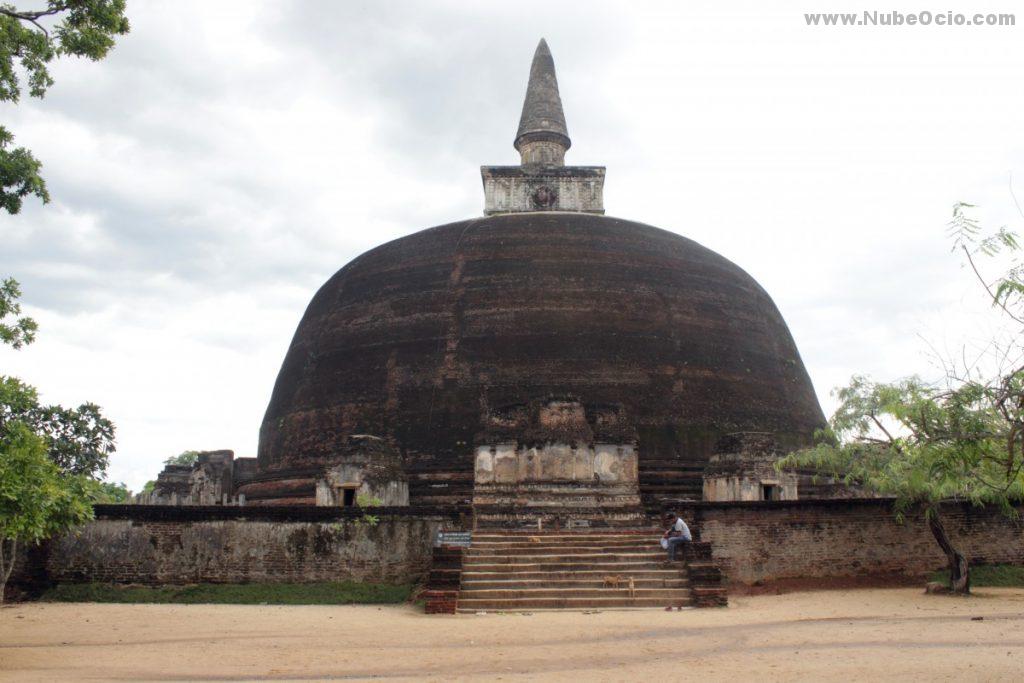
[
  {"x": 110, "y": 492},
  {"x": 958, "y": 439},
  {"x": 47, "y": 453},
  {"x": 78, "y": 440},
  {"x": 186, "y": 458},
  {"x": 29, "y": 41},
  {"x": 36, "y": 499},
  {"x": 18, "y": 331}
]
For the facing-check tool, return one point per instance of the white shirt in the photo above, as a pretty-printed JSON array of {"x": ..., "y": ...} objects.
[{"x": 680, "y": 525}]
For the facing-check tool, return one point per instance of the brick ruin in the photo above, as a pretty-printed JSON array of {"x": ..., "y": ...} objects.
[
  {"x": 738, "y": 544},
  {"x": 212, "y": 480}
]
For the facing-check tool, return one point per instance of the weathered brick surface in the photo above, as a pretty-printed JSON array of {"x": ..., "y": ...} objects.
[
  {"x": 29, "y": 577},
  {"x": 531, "y": 305},
  {"x": 749, "y": 542},
  {"x": 838, "y": 538},
  {"x": 444, "y": 581},
  {"x": 396, "y": 549},
  {"x": 705, "y": 596}
]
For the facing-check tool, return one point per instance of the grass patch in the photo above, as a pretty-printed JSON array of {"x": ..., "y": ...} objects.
[
  {"x": 989, "y": 576},
  {"x": 342, "y": 593}
]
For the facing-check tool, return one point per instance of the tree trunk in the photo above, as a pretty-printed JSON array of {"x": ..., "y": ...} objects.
[
  {"x": 959, "y": 576},
  {"x": 8, "y": 548}
]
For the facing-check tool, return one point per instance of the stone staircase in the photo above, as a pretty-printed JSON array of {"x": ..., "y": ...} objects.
[{"x": 529, "y": 570}]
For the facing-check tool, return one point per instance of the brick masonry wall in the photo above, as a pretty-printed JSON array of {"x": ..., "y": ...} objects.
[
  {"x": 751, "y": 542},
  {"x": 845, "y": 538},
  {"x": 122, "y": 549}
]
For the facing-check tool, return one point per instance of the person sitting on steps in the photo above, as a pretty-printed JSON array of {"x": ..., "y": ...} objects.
[{"x": 676, "y": 535}]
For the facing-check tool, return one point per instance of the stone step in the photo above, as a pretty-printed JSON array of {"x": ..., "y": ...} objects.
[
  {"x": 608, "y": 567},
  {"x": 527, "y": 569},
  {"x": 656, "y": 575},
  {"x": 539, "y": 549},
  {"x": 570, "y": 593},
  {"x": 521, "y": 558},
  {"x": 518, "y": 583},
  {"x": 636, "y": 542},
  {"x": 582, "y": 553},
  {"x": 569, "y": 533},
  {"x": 564, "y": 542},
  {"x": 487, "y": 604},
  {"x": 534, "y": 540},
  {"x": 501, "y": 523}
]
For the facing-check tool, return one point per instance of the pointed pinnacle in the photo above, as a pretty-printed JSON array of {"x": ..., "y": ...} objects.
[{"x": 542, "y": 110}]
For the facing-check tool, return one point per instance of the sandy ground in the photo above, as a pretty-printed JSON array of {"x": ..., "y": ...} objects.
[{"x": 825, "y": 635}]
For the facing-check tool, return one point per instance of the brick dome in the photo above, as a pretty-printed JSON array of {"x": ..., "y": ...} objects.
[{"x": 421, "y": 339}]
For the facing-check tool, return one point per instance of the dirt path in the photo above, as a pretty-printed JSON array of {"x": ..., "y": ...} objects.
[{"x": 860, "y": 634}]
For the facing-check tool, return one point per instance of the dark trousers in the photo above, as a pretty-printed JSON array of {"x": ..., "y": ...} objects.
[{"x": 674, "y": 543}]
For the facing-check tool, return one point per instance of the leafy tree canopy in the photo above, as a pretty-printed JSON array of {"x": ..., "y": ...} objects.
[
  {"x": 961, "y": 438},
  {"x": 187, "y": 458},
  {"x": 37, "y": 500},
  {"x": 78, "y": 440},
  {"x": 29, "y": 40},
  {"x": 15, "y": 331},
  {"x": 111, "y": 492},
  {"x": 923, "y": 443}
]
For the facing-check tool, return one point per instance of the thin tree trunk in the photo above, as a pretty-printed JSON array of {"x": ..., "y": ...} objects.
[
  {"x": 6, "y": 563},
  {"x": 959, "y": 575}
]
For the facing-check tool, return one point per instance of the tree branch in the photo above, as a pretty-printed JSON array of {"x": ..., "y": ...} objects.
[
  {"x": 34, "y": 17},
  {"x": 23, "y": 15},
  {"x": 988, "y": 289},
  {"x": 892, "y": 441}
]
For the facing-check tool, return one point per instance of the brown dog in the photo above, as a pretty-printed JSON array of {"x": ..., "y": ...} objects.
[{"x": 612, "y": 581}]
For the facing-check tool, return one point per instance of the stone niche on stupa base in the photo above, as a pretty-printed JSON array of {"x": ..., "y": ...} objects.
[
  {"x": 743, "y": 468},
  {"x": 556, "y": 453},
  {"x": 368, "y": 472}
]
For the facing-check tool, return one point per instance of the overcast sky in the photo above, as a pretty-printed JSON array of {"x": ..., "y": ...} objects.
[{"x": 228, "y": 157}]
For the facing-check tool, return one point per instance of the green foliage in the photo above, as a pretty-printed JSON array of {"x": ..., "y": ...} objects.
[
  {"x": 111, "y": 492},
  {"x": 149, "y": 486},
  {"x": 990, "y": 575},
  {"x": 36, "y": 499},
  {"x": 16, "y": 332},
  {"x": 79, "y": 440},
  {"x": 365, "y": 500},
  {"x": 368, "y": 520},
  {"x": 922, "y": 444},
  {"x": 19, "y": 175},
  {"x": 187, "y": 458},
  {"x": 341, "y": 593},
  {"x": 925, "y": 442},
  {"x": 29, "y": 41},
  {"x": 968, "y": 238}
]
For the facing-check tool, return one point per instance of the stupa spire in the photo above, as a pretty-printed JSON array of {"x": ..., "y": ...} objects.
[
  {"x": 542, "y": 181},
  {"x": 542, "y": 137}
]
